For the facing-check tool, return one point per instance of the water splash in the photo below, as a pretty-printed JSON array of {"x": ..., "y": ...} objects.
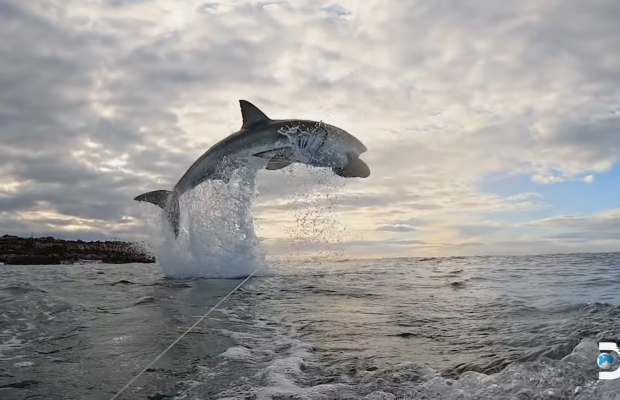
[
  {"x": 217, "y": 237},
  {"x": 314, "y": 231}
]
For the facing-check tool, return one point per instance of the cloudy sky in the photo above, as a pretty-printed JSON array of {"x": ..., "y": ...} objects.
[{"x": 492, "y": 126}]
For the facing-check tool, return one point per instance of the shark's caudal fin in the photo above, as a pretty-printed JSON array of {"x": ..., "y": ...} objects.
[
  {"x": 355, "y": 168},
  {"x": 157, "y": 197},
  {"x": 161, "y": 198},
  {"x": 251, "y": 115}
]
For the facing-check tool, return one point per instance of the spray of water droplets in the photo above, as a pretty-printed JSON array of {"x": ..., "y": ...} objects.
[{"x": 314, "y": 231}]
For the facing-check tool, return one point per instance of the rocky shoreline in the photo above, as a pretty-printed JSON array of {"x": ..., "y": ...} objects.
[{"x": 48, "y": 250}]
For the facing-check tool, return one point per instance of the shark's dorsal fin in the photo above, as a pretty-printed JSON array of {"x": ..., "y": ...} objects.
[{"x": 251, "y": 114}]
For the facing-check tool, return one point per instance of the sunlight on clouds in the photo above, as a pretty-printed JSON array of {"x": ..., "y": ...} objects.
[
  {"x": 58, "y": 221},
  {"x": 547, "y": 179},
  {"x": 176, "y": 13},
  {"x": 107, "y": 161},
  {"x": 44, "y": 214},
  {"x": 45, "y": 220},
  {"x": 9, "y": 187},
  {"x": 89, "y": 144},
  {"x": 443, "y": 93},
  {"x": 98, "y": 96},
  {"x": 117, "y": 162}
]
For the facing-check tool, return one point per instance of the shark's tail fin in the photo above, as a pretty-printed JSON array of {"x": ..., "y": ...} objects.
[
  {"x": 157, "y": 197},
  {"x": 161, "y": 198}
]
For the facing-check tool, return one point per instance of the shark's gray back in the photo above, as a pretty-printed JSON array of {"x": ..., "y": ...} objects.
[
  {"x": 216, "y": 155},
  {"x": 257, "y": 130}
]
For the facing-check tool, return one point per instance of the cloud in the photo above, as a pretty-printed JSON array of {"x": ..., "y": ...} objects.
[
  {"x": 477, "y": 230},
  {"x": 602, "y": 226},
  {"x": 104, "y": 100},
  {"x": 396, "y": 228}
]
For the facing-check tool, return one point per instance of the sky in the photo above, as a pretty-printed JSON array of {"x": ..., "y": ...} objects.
[{"x": 492, "y": 127}]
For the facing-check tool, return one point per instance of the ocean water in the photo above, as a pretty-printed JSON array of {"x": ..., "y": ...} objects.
[
  {"x": 444, "y": 328},
  {"x": 415, "y": 328}
]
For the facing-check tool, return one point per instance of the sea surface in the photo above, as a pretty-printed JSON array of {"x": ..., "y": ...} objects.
[{"x": 406, "y": 328}]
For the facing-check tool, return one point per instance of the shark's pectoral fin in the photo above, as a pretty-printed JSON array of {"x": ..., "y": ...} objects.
[
  {"x": 355, "y": 168},
  {"x": 281, "y": 153},
  {"x": 277, "y": 163}
]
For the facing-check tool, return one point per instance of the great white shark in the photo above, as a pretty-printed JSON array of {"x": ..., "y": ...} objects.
[{"x": 279, "y": 142}]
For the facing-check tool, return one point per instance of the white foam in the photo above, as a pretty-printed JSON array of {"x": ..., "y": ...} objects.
[
  {"x": 379, "y": 395},
  {"x": 239, "y": 353},
  {"x": 217, "y": 237},
  {"x": 544, "y": 379},
  {"x": 280, "y": 362},
  {"x": 270, "y": 356}
]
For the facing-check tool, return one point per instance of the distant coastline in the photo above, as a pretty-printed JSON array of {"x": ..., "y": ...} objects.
[{"x": 17, "y": 250}]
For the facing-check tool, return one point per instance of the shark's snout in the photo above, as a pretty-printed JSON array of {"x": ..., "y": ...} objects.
[{"x": 347, "y": 140}]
